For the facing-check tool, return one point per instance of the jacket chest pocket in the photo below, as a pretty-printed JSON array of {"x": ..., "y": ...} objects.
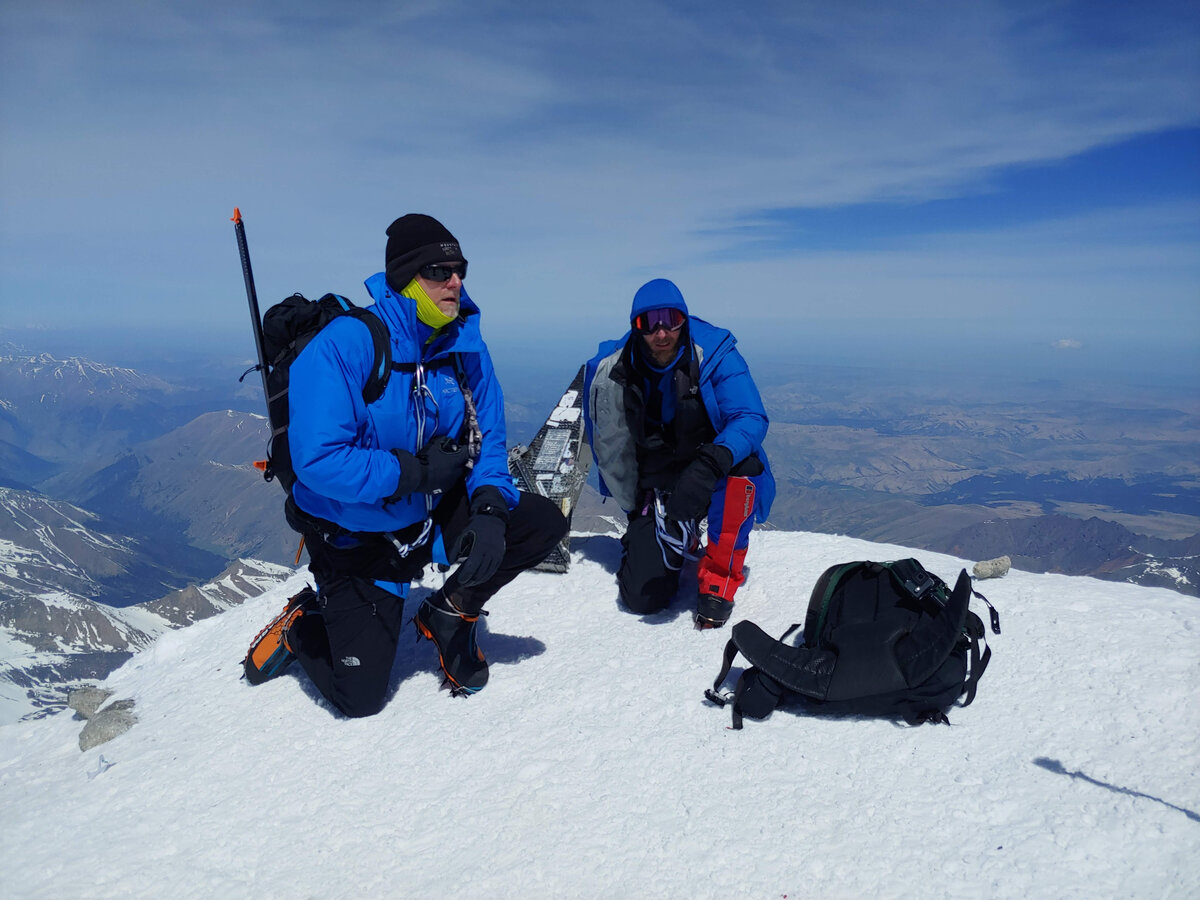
[
  {"x": 444, "y": 393},
  {"x": 412, "y": 412}
]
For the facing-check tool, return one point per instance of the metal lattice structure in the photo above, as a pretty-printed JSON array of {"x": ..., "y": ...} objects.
[{"x": 555, "y": 464}]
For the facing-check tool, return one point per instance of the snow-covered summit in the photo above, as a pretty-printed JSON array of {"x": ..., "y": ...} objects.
[
  {"x": 591, "y": 766},
  {"x": 75, "y": 375}
]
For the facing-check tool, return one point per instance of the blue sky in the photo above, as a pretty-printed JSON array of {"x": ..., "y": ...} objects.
[{"x": 1020, "y": 178}]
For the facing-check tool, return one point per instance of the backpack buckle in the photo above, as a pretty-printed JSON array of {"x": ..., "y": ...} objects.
[
  {"x": 914, "y": 579},
  {"x": 919, "y": 587},
  {"x": 719, "y": 699}
]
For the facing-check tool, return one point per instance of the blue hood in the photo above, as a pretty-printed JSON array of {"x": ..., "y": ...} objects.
[{"x": 657, "y": 294}]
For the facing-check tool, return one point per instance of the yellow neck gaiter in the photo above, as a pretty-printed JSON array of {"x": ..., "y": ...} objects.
[{"x": 427, "y": 310}]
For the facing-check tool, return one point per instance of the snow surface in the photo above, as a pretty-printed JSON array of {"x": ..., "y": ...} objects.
[{"x": 591, "y": 766}]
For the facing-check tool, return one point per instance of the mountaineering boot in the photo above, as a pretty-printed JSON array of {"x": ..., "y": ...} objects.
[
  {"x": 712, "y": 611},
  {"x": 269, "y": 652},
  {"x": 453, "y": 633}
]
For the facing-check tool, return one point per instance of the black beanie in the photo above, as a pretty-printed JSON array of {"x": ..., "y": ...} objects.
[{"x": 414, "y": 241}]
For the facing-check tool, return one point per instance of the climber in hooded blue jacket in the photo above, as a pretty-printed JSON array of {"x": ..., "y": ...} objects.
[
  {"x": 383, "y": 489},
  {"x": 676, "y": 427}
]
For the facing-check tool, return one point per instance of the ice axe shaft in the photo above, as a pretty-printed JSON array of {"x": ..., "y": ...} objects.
[{"x": 239, "y": 229}]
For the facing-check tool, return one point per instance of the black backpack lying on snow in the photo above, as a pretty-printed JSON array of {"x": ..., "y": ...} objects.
[{"x": 880, "y": 639}]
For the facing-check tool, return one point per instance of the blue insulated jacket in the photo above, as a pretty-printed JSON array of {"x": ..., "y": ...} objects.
[
  {"x": 727, "y": 390},
  {"x": 341, "y": 447}
]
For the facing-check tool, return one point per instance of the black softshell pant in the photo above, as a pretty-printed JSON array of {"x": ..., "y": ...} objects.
[
  {"x": 644, "y": 581},
  {"x": 348, "y": 650}
]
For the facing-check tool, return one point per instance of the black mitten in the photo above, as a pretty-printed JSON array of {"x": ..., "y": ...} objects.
[{"x": 693, "y": 492}]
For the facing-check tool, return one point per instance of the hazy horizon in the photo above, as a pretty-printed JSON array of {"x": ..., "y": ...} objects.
[{"x": 1171, "y": 364}]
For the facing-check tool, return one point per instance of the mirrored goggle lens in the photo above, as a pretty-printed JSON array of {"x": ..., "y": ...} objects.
[
  {"x": 654, "y": 319},
  {"x": 444, "y": 273}
]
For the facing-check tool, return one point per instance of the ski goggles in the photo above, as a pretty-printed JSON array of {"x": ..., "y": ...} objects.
[
  {"x": 440, "y": 272},
  {"x": 653, "y": 319}
]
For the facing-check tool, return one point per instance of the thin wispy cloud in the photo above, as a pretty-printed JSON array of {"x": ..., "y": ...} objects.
[{"x": 572, "y": 149}]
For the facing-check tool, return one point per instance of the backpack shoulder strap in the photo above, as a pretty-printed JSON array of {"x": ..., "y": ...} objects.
[
  {"x": 977, "y": 661},
  {"x": 802, "y": 670},
  {"x": 975, "y": 630},
  {"x": 381, "y": 341}
]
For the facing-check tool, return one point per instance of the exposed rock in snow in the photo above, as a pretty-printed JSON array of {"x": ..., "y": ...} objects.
[
  {"x": 992, "y": 568},
  {"x": 86, "y": 700},
  {"x": 112, "y": 721}
]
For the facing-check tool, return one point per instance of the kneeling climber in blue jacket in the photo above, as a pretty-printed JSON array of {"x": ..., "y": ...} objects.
[
  {"x": 384, "y": 489},
  {"x": 676, "y": 427}
]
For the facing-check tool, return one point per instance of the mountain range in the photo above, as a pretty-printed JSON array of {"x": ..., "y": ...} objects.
[
  {"x": 55, "y": 413},
  {"x": 72, "y": 599},
  {"x": 197, "y": 481},
  {"x": 122, "y": 488}
]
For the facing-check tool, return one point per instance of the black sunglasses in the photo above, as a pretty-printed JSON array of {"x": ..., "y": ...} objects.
[{"x": 439, "y": 272}]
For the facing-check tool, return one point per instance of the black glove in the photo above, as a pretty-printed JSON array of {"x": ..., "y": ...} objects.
[
  {"x": 482, "y": 541},
  {"x": 693, "y": 492},
  {"x": 435, "y": 468}
]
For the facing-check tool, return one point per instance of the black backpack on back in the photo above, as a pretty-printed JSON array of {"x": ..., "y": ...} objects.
[
  {"x": 880, "y": 639},
  {"x": 288, "y": 326}
]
